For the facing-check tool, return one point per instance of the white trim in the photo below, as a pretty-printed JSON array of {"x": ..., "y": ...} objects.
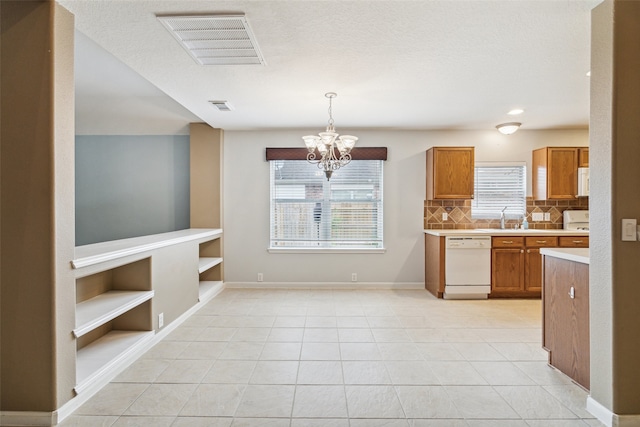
[
  {"x": 106, "y": 251},
  {"x": 325, "y": 285},
  {"x": 285, "y": 250},
  {"x": 608, "y": 418}
]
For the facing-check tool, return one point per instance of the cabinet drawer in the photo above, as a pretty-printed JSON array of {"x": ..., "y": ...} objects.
[
  {"x": 541, "y": 241},
  {"x": 574, "y": 242},
  {"x": 507, "y": 241}
]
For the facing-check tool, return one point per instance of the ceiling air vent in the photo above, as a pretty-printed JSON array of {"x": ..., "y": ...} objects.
[
  {"x": 222, "y": 105},
  {"x": 215, "y": 39}
]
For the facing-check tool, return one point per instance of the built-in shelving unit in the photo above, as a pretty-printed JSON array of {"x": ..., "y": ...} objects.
[{"x": 210, "y": 268}]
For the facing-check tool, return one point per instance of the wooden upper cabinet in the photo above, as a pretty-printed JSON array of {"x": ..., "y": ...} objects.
[
  {"x": 450, "y": 173},
  {"x": 583, "y": 157},
  {"x": 555, "y": 173}
]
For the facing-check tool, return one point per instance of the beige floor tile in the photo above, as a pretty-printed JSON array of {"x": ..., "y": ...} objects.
[
  {"x": 251, "y": 334},
  {"x": 88, "y": 421},
  {"x": 496, "y": 423},
  {"x": 230, "y": 372},
  {"x": 411, "y": 373},
  {"x": 440, "y": 423},
  {"x": 365, "y": 372},
  {"x": 521, "y": 351},
  {"x": 281, "y": 351},
  {"x": 427, "y": 402},
  {"x": 216, "y": 334},
  {"x": 572, "y": 397},
  {"x": 371, "y": 422},
  {"x": 320, "y": 335},
  {"x": 542, "y": 373},
  {"x": 321, "y": 322},
  {"x": 275, "y": 372},
  {"x": 143, "y": 371},
  {"x": 161, "y": 400},
  {"x": 352, "y": 321},
  {"x": 319, "y": 422},
  {"x": 456, "y": 373},
  {"x": 502, "y": 373},
  {"x": 202, "y": 422},
  {"x": 185, "y": 371},
  {"x": 203, "y": 350},
  {"x": 320, "y": 401},
  {"x": 480, "y": 402},
  {"x": 360, "y": 351},
  {"x": 374, "y": 401},
  {"x": 534, "y": 402},
  {"x": 242, "y": 351},
  {"x": 185, "y": 333},
  {"x": 399, "y": 351},
  {"x": 260, "y": 422},
  {"x": 320, "y": 372},
  {"x": 166, "y": 350},
  {"x": 213, "y": 400},
  {"x": 390, "y": 335},
  {"x": 424, "y": 335},
  {"x": 355, "y": 335},
  {"x": 286, "y": 335},
  {"x": 113, "y": 399},
  {"x": 133, "y": 421},
  {"x": 290, "y": 321},
  {"x": 474, "y": 351},
  {"x": 556, "y": 423},
  {"x": 439, "y": 351},
  {"x": 383, "y": 322},
  {"x": 320, "y": 351},
  {"x": 266, "y": 401}
]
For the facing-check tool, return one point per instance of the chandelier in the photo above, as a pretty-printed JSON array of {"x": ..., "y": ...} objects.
[{"x": 334, "y": 150}]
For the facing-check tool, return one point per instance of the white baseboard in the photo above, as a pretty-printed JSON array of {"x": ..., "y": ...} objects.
[
  {"x": 608, "y": 418},
  {"x": 25, "y": 418},
  {"x": 326, "y": 285}
]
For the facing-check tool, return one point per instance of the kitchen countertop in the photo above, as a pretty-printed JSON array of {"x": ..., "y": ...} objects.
[
  {"x": 570, "y": 254},
  {"x": 506, "y": 232}
]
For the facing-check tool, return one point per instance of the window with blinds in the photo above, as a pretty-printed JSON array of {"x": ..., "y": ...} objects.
[
  {"x": 307, "y": 211},
  {"x": 499, "y": 185}
]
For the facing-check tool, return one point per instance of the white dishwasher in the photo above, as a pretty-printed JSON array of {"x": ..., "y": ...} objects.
[{"x": 467, "y": 267}]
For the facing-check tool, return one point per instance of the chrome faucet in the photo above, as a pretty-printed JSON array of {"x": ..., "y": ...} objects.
[{"x": 502, "y": 217}]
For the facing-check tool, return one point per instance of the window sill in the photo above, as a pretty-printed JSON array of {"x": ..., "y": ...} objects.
[{"x": 325, "y": 251}]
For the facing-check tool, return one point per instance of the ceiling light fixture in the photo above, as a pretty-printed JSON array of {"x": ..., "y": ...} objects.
[
  {"x": 508, "y": 128},
  {"x": 325, "y": 144}
]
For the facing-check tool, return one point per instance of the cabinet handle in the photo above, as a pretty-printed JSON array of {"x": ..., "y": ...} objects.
[
  {"x": 541, "y": 241},
  {"x": 528, "y": 251},
  {"x": 521, "y": 251},
  {"x": 577, "y": 241},
  {"x": 572, "y": 293},
  {"x": 508, "y": 242}
]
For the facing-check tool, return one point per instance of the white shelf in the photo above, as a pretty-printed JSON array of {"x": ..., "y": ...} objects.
[
  {"x": 105, "y": 307},
  {"x": 205, "y": 263},
  {"x": 208, "y": 290},
  {"x": 97, "y": 358}
]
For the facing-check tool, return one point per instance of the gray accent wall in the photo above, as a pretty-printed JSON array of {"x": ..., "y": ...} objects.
[{"x": 130, "y": 186}]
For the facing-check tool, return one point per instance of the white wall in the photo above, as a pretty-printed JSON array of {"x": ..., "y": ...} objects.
[{"x": 246, "y": 205}]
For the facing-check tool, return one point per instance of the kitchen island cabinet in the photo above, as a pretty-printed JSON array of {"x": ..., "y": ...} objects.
[
  {"x": 565, "y": 305},
  {"x": 450, "y": 172}
]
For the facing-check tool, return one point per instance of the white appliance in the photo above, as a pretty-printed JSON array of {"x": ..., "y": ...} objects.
[
  {"x": 575, "y": 220},
  {"x": 467, "y": 267},
  {"x": 583, "y": 182}
]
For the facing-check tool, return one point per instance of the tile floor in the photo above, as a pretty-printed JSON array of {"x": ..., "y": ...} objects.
[{"x": 335, "y": 358}]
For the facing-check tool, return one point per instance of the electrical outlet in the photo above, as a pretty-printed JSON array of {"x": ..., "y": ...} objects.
[
  {"x": 354, "y": 277},
  {"x": 260, "y": 277},
  {"x": 160, "y": 320},
  {"x": 445, "y": 216},
  {"x": 537, "y": 216}
]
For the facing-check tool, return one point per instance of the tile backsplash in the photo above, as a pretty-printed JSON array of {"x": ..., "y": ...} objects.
[{"x": 459, "y": 214}]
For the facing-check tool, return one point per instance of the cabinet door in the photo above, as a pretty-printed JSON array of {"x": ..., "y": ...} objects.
[
  {"x": 507, "y": 270},
  {"x": 583, "y": 157},
  {"x": 533, "y": 261},
  {"x": 450, "y": 173},
  {"x": 562, "y": 172}
]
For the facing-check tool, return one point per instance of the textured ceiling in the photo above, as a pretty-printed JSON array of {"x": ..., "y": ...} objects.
[{"x": 394, "y": 64}]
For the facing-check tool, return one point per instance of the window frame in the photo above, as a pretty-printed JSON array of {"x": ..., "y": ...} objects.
[
  {"x": 517, "y": 212},
  {"x": 326, "y": 207}
]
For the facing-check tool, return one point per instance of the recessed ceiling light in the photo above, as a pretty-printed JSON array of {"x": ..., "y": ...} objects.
[
  {"x": 515, "y": 111},
  {"x": 589, "y": 73}
]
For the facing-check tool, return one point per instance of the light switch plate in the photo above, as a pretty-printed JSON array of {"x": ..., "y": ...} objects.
[
  {"x": 629, "y": 230},
  {"x": 547, "y": 216}
]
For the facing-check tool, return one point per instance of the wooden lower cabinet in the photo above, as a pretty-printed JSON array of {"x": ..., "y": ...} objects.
[
  {"x": 566, "y": 317},
  {"x": 516, "y": 265}
]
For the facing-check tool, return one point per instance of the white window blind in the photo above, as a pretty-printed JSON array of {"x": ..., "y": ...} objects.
[
  {"x": 307, "y": 211},
  {"x": 499, "y": 185}
]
